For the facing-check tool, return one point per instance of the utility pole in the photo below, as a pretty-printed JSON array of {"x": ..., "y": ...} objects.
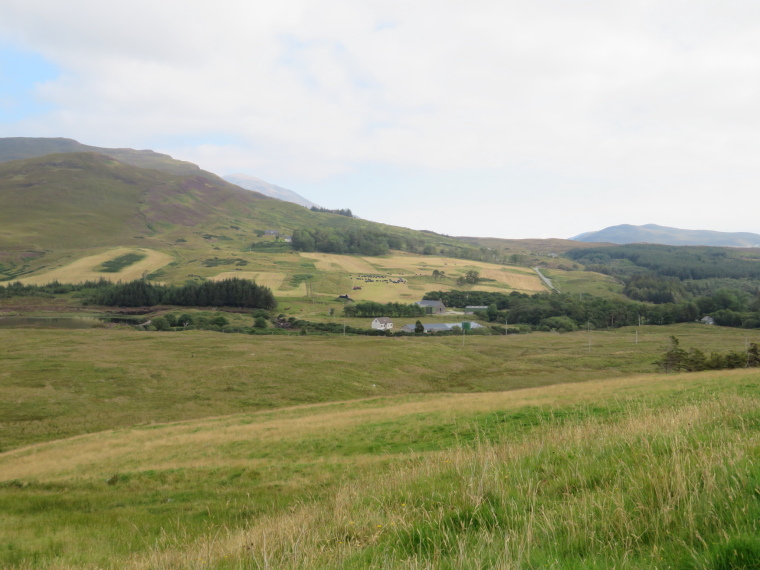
[{"x": 588, "y": 332}]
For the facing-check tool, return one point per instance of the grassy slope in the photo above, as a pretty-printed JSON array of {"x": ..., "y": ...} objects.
[
  {"x": 61, "y": 383},
  {"x": 644, "y": 471}
]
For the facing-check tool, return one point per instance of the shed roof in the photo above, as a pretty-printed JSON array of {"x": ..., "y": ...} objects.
[{"x": 430, "y": 303}]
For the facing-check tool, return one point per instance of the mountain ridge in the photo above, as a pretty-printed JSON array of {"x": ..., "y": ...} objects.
[{"x": 664, "y": 235}]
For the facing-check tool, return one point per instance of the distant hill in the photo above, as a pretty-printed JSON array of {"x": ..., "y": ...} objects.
[
  {"x": 21, "y": 148},
  {"x": 272, "y": 190},
  {"x": 652, "y": 233}
]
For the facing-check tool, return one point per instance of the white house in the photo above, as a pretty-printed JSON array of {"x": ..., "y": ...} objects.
[{"x": 382, "y": 323}]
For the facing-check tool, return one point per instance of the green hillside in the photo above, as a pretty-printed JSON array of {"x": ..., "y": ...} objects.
[
  {"x": 69, "y": 205},
  {"x": 81, "y": 200}
]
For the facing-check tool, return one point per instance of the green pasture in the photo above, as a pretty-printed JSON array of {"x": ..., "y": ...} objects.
[
  {"x": 61, "y": 383},
  {"x": 656, "y": 471}
]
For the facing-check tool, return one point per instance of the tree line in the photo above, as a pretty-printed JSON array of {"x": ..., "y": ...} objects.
[
  {"x": 682, "y": 262},
  {"x": 371, "y": 309},
  {"x": 375, "y": 242},
  {"x": 226, "y": 293},
  {"x": 18, "y": 289},
  {"x": 728, "y": 308},
  {"x": 676, "y": 359},
  {"x": 342, "y": 212}
]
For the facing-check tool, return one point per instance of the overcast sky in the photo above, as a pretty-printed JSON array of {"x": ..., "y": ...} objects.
[{"x": 499, "y": 118}]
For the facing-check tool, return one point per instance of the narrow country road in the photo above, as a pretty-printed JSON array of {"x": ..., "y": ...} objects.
[{"x": 546, "y": 280}]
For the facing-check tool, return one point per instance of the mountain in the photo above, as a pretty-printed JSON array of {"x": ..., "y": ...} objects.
[
  {"x": 74, "y": 200},
  {"x": 20, "y": 148},
  {"x": 272, "y": 190},
  {"x": 652, "y": 233},
  {"x": 64, "y": 206}
]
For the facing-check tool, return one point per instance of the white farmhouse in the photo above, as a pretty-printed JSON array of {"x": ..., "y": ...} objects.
[{"x": 382, "y": 323}]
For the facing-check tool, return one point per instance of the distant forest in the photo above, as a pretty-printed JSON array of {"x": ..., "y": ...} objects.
[
  {"x": 370, "y": 309},
  {"x": 664, "y": 274},
  {"x": 566, "y": 312},
  {"x": 227, "y": 293},
  {"x": 681, "y": 262},
  {"x": 374, "y": 242}
]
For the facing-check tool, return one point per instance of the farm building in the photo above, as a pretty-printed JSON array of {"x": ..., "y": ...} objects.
[
  {"x": 471, "y": 309},
  {"x": 382, "y": 323},
  {"x": 432, "y": 307}
]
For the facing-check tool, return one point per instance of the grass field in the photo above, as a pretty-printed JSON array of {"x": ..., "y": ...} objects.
[
  {"x": 69, "y": 383},
  {"x": 648, "y": 471},
  {"x": 86, "y": 268},
  {"x": 585, "y": 282},
  {"x": 347, "y": 263}
]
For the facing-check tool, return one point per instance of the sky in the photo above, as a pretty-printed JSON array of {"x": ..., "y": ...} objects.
[{"x": 498, "y": 118}]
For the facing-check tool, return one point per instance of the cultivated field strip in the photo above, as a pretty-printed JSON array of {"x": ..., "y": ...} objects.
[
  {"x": 274, "y": 281},
  {"x": 83, "y": 269}
]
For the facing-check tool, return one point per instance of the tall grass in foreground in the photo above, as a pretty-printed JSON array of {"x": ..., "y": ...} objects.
[{"x": 677, "y": 487}]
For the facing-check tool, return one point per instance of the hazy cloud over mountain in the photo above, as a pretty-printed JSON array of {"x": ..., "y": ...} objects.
[{"x": 548, "y": 117}]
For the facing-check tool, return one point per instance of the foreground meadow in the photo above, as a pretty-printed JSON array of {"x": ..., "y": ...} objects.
[
  {"x": 595, "y": 466},
  {"x": 62, "y": 383}
]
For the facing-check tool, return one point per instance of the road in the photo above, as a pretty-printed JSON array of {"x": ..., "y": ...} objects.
[{"x": 546, "y": 280}]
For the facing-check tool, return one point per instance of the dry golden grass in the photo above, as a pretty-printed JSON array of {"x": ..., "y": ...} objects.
[
  {"x": 661, "y": 475},
  {"x": 519, "y": 280},
  {"x": 423, "y": 264},
  {"x": 198, "y": 443},
  {"x": 330, "y": 262},
  {"x": 84, "y": 269}
]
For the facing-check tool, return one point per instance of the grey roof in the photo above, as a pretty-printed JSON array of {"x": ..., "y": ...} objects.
[
  {"x": 473, "y": 325},
  {"x": 430, "y": 304},
  {"x": 439, "y": 327},
  {"x": 383, "y": 320}
]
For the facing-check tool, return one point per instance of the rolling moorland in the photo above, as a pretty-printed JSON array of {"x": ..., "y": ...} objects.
[{"x": 152, "y": 439}]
